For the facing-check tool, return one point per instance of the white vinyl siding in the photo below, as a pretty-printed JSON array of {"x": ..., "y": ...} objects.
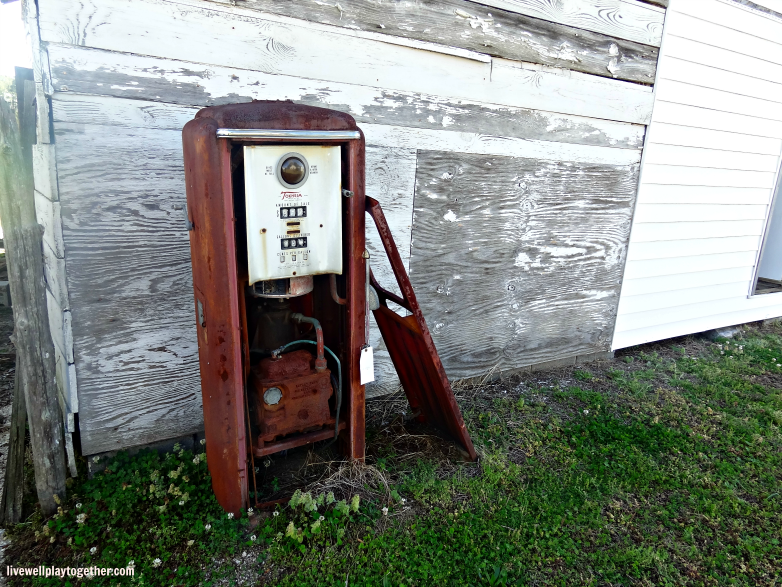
[{"x": 710, "y": 164}]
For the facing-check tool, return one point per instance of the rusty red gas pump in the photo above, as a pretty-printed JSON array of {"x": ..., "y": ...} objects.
[{"x": 276, "y": 212}]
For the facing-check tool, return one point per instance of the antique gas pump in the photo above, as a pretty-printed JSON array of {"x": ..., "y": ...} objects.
[{"x": 276, "y": 212}]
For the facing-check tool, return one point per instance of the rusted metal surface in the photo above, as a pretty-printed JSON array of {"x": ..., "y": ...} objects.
[
  {"x": 219, "y": 280},
  {"x": 412, "y": 349},
  {"x": 212, "y": 249},
  {"x": 302, "y": 402}
]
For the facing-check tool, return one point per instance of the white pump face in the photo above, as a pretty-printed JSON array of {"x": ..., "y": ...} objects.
[{"x": 294, "y": 210}]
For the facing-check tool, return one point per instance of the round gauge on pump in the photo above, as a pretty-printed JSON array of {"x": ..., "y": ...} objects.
[
  {"x": 272, "y": 396},
  {"x": 292, "y": 170}
]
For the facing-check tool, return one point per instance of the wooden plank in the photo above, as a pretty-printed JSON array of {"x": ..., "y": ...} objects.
[
  {"x": 693, "y": 194},
  {"x": 722, "y": 57},
  {"x": 177, "y": 82},
  {"x": 32, "y": 340},
  {"x": 459, "y": 23},
  {"x": 709, "y": 158},
  {"x": 390, "y": 177},
  {"x": 662, "y": 133},
  {"x": 44, "y": 171},
  {"x": 13, "y": 486},
  {"x": 673, "y": 213},
  {"x": 461, "y": 142},
  {"x": 693, "y": 116},
  {"x": 706, "y": 76},
  {"x": 678, "y": 175},
  {"x": 54, "y": 273},
  {"x": 205, "y": 34},
  {"x": 57, "y": 325},
  {"x": 772, "y": 5},
  {"x": 692, "y": 95},
  {"x": 48, "y": 214},
  {"x": 691, "y": 247},
  {"x": 38, "y": 54},
  {"x": 732, "y": 16},
  {"x": 509, "y": 250},
  {"x": 661, "y": 231},
  {"x": 628, "y": 19},
  {"x": 133, "y": 327},
  {"x": 404, "y": 138},
  {"x": 697, "y": 29},
  {"x": 680, "y": 265},
  {"x": 680, "y": 297},
  {"x": 679, "y": 282}
]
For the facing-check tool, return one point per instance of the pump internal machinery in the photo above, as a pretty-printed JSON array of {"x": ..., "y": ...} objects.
[{"x": 276, "y": 214}]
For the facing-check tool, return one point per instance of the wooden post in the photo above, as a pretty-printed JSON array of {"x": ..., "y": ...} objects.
[
  {"x": 32, "y": 337},
  {"x": 13, "y": 488}
]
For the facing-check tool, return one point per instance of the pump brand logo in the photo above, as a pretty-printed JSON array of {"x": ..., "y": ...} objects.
[{"x": 290, "y": 195}]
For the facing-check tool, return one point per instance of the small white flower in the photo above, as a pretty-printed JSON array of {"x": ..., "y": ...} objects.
[
  {"x": 96, "y": 459},
  {"x": 190, "y": 543},
  {"x": 321, "y": 518},
  {"x": 730, "y": 357},
  {"x": 81, "y": 518},
  {"x": 404, "y": 501},
  {"x": 275, "y": 514},
  {"x": 157, "y": 562},
  {"x": 93, "y": 550},
  {"x": 253, "y": 538},
  {"x": 385, "y": 511},
  {"x": 131, "y": 564},
  {"x": 244, "y": 553},
  {"x": 78, "y": 506},
  {"x": 203, "y": 441},
  {"x": 230, "y": 516},
  {"x": 181, "y": 503},
  {"x": 250, "y": 511},
  {"x": 722, "y": 352},
  {"x": 208, "y": 527},
  {"x": 586, "y": 412}
]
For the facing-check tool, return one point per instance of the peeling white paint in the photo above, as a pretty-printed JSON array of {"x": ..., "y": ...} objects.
[{"x": 450, "y": 216}]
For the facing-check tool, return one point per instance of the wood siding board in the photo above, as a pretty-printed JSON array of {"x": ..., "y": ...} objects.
[
  {"x": 709, "y": 158},
  {"x": 700, "y": 176},
  {"x": 507, "y": 247},
  {"x": 698, "y": 212},
  {"x": 716, "y": 78},
  {"x": 682, "y": 296},
  {"x": 658, "y": 231},
  {"x": 727, "y": 15},
  {"x": 130, "y": 283},
  {"x": 679, "y": 282},
  {"x": 390, "y": 177},
  {"x": 496, "y": 32},
  {"x": 724, "y": 59},
  {"x": 176, "y": 82},
  {"x": 677, "y": 194},
  {"x": 692, "y": 95},
  {"x": 45, "y": 170},
  {"x": 630, "y": 20},
  {"x": 661, "y": 133},
  {"x": 742, "y": 43},
  {"x": 693, "y": 116},
  {"x": 170, "y": 30},
  {"x": 48, "y": 215},
  {"x": 54, "y": 272},
  {"x": 689, "y": 247},
  {"x": 654, "y": 267}
]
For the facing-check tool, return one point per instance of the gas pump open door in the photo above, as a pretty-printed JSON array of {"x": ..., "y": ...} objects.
[{"x": 412, "y": 349}]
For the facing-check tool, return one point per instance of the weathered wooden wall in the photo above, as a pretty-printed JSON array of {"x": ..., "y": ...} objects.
[{"x": 535, "y": 110}]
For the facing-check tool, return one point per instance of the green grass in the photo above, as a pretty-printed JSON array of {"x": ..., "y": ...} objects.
[{"x": 662, "y": 468}]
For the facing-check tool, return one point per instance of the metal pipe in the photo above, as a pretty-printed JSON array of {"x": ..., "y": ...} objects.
[
  {"x": 320, "y": 360},
  {"x": 334, "y": 294},
  {"x": 304, "y": 135}
]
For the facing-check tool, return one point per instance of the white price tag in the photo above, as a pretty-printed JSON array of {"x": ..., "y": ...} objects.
[{"x": 366, "y": 365}]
